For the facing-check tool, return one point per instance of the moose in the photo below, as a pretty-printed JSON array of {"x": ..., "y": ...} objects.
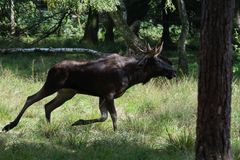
[{"x": 107, "y": 78}]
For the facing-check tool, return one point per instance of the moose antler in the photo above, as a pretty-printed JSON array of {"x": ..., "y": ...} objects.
[{"x": 158, "y": 49}]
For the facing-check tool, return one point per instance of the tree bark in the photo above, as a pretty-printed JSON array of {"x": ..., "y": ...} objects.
[
  {"x": 109, "y": 35},
  {"x": 91, "y": 29},
  {"x": 215, "y": 78},
  {"x": 131, "y": 39},
  {"x": 12, "y": 17},
  {"x": 238, "y": 19},
  {"x": 135, "y": 27},
  {"x": 166, "y": 34},
  {"x": 182, "y": 59},
  {"x": 119, "y": 18}
]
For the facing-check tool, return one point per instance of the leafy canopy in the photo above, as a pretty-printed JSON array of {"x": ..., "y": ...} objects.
[{"x": 82, "y": 5}]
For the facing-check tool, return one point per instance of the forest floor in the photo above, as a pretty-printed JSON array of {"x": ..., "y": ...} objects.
[{"x": 156, "y": 121}]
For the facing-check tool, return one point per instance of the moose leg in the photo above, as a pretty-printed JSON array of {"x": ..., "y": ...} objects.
[
  {"x": 30, "y": 100},
  {"x": 104, "y": 115},
  {"x": 112, "y": 110},
  {"x": 62, "y": 96}
]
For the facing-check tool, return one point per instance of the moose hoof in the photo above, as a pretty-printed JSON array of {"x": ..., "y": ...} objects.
[
  {"x": 8, "y": 127},
  {"x": 79, "y": 122}
]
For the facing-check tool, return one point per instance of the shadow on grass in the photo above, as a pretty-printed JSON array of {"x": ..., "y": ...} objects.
[{"x": 99, "y": 149}]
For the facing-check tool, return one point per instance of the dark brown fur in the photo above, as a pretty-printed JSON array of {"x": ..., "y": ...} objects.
[{"x": 107, "y": 78}]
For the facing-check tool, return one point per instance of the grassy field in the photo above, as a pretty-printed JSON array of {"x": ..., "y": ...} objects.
[{"x": 156, "y": 121}]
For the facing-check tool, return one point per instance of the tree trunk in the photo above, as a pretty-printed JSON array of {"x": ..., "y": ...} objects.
[
  {"x": 12, "y": 17},
  {"x": 182, "y": 61},
  {"x": 131, "y": 39},
  {"x": 166, "y": 34},
  {"x": 91, "y": 29},
  {"x": 109, "y": 35},
  {"x": 135, "y": 27},
  {"x": 215, "y": 78},
  {"x": 238, "y": 19}
]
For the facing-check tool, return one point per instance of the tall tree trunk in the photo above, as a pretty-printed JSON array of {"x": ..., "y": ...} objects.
[
  {"x": 215, "y": 78},
  {"x": 166, "y": 34},
  {"x": 109, "y": 35},
  {"x": 182, "y": 61},
  {"x": 12, "y": 17},
  {"x": 92, "y": 26}
]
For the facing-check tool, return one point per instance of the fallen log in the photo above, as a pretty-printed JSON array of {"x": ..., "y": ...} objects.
[{"x": 51, "y": 50}]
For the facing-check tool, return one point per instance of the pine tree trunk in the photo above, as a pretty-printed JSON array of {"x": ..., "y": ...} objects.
[
  {"x": 182, "y": 60},
  {"x": 91, "y": 29},
  {"x": 215, "y": 78}
]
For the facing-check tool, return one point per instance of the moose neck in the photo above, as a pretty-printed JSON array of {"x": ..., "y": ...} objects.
[{"x": 139, "y": 75}]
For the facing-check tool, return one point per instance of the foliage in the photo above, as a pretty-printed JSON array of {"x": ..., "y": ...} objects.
[
  {"x": 36, "y": 21},
  {"x": 236, "y": 40},
  {"x": 79, "y": 6},
  {"x": 4, "y": 19},
  {"x": 236, "y": 47},
  {"x": 169, "y": 6},
  {"x": 150, "y": 32},
  {"x": 175, "y": 32}
]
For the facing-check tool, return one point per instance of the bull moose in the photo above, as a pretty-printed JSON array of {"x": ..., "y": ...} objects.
[{"x": 107, "y": 78}]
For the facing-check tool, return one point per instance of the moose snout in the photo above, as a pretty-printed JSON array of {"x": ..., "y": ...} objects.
[{"x": 172, "y": 74}]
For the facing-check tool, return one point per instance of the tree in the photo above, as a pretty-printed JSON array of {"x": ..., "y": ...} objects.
[
  {"x": 238, "y": 19},
  {"x": 182, "y": 62},
  {"x": 131, "y": 39},
  {"x": 92, "y": 26},
  {"x": 166, "y": 34},
  {"x": 166, "y": 15},
  {"x": 237, "y": 12},
  {"x": 109, "y": 35},
  {"x": 12, "y": 17},
  {"x": 128, "y": 9},
  {"x": 215, "y": 78}
]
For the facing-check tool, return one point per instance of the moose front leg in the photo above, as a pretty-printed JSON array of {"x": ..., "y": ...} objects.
[{"x": 104, "y": 115}]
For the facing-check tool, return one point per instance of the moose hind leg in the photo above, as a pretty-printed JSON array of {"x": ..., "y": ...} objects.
[
  {"x": 30, "y": 100},
  {"x": 104, "y": 115},
  {"x": 112, "y": 110},
  {"x": 62, "y": 96}
]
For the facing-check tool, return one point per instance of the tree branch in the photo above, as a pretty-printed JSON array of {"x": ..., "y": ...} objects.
[
  {"x": 52, "y": 50},
  {"x": 52, "y": 29},
  {"x": 131, "y": 39}
]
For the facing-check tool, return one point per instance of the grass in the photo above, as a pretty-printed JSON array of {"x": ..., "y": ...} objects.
[{"x": 156, "y": 120}]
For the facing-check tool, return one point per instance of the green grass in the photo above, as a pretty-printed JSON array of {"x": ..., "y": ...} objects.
[{"x": 156, "y": 121}]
